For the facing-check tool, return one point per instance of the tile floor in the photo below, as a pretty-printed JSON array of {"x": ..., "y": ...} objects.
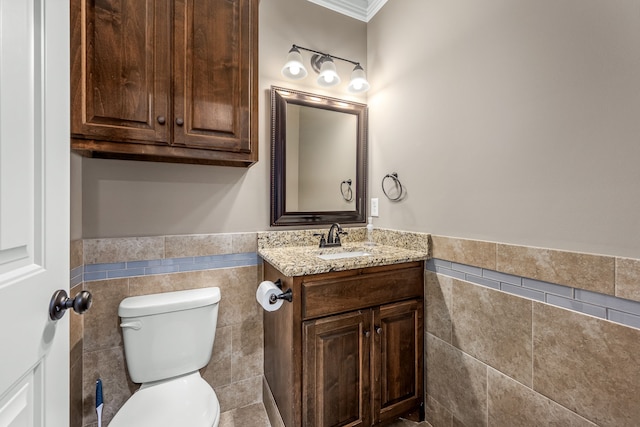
[{"x": 256, "y": 416}]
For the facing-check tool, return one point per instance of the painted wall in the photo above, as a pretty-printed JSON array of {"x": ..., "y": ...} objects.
[
  {"x": 512, "y": 122},
  {"x": 127, "y": 198}
]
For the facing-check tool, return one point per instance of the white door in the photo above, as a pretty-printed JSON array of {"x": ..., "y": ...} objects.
[{"x": 34, "y": 211}]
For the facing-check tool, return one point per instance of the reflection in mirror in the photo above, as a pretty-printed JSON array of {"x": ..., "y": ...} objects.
[
  {"x": 318, "y": 165},
  {"x": 320, "y": 156}
]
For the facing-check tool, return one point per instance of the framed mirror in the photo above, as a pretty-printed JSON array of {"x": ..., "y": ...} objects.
[{"x": 318, "y": 159}]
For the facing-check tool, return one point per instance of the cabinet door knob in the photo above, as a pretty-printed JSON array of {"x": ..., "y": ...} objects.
[
  {"x": 378, "y": 330},
  {"x": 367, "y": 334},
  {"x": 179, "y": 121},
  {"x": 162, "y": 120}
]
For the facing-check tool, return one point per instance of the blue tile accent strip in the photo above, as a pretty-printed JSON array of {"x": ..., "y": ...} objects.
[
  {"x": 95, "y": 272},
  {"x": 608, "y": 307}
]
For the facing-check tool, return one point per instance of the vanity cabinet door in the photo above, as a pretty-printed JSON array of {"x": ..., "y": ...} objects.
[
  {"x": 397, "y": 359},
  {"x": 336, "y": 371},
  {"x": 120, "y": 71}
]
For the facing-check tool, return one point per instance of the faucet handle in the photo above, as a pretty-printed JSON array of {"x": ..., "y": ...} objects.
[
  {"x": 323, "y": 241},
  {"x": 338, "y": 234}
]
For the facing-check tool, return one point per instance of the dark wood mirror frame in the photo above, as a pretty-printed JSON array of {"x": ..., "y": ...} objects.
[{"x": 280, "y": 98}]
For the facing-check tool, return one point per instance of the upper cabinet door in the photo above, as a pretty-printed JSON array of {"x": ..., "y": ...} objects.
[
  {"x": 120, "y": 70},
  {"x": 215, "y": 75}
]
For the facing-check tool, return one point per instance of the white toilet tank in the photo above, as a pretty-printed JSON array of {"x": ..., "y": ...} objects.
[{"x": 168, "y": 334}]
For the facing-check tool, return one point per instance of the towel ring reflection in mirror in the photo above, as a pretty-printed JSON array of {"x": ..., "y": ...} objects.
[
  {"x": 347, "y": 192},
  {"x": 401, "y": 193}
]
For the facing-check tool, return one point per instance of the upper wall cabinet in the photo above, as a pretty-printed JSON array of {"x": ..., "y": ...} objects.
[{"x": 170, "y": 81}]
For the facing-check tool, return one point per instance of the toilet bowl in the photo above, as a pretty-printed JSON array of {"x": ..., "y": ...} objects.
[{"x": 168, "y": 338}]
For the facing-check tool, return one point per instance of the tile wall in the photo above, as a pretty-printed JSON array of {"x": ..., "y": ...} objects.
[
  {"x": 112, "y": 269},
  {"x": 520, "y": 336},
  {"x": 515, "y": 336}
]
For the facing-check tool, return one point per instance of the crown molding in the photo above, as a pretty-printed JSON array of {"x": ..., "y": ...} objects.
[{"x": 362, "y": 10}]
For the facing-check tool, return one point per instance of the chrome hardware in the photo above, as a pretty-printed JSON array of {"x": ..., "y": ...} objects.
[
  {"x": 60, "y": 302},
  {"x": 135, "y": 325}
]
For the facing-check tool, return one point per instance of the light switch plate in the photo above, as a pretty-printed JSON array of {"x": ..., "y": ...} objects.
[{"x": 374, "y": 206}]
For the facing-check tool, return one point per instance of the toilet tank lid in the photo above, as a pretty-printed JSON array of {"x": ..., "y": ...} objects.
[{"x": 146, "y": 305}]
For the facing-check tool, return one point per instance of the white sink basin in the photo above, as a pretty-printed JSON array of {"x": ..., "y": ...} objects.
[{"x": 341, "y": 255}]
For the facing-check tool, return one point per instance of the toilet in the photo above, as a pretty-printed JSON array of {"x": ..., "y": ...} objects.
[{"x": 168, "y": 337}]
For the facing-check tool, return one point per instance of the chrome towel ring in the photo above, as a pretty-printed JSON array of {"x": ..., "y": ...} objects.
[
  {"x": 397, "y": 184},
  {"x": 347, "y": 192}
]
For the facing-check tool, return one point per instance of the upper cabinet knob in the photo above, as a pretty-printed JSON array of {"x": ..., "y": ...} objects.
[
  {"x": 162, "y": 120},
  {"x": 179, "y": 121}
]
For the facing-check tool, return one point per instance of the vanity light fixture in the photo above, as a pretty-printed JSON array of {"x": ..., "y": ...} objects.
[{"x": 323, "y": 64}]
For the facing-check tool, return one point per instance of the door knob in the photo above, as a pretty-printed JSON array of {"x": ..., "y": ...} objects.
[
  {"x": 161, "y": 120},
  {"x": 60, "y": 302},
  {"x": 179, "y": 121},
  {"x": 378, "y": 330}
]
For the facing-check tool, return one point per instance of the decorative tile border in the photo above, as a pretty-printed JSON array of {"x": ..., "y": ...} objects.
[
  {"x": 608, "y": 307},
  {"x": 94, "y": 272}
]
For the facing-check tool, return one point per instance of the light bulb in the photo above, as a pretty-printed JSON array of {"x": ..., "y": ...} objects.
[
  {"x": 358, "y": 83},
  {"x": 294, "y": 68}
]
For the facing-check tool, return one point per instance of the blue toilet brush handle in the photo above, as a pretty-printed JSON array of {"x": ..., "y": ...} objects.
[{"x": 99, "y": 402}]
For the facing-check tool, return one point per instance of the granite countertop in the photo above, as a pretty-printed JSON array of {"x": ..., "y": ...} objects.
[{"x": 304, "y": 260}]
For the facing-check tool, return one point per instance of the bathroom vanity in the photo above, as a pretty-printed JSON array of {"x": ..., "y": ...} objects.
[{"x": 348, "y": 348}]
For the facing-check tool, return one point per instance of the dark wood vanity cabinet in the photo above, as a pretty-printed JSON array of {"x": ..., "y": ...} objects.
[
  {"x": 348, "y": 351},
  {"x": 168, "y": 81}
]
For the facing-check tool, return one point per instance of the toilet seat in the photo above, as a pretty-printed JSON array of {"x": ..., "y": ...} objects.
[{"x": 183, "y": 401}]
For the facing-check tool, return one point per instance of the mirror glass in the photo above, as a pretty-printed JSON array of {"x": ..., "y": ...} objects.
[{"x": 318, "y": 165}]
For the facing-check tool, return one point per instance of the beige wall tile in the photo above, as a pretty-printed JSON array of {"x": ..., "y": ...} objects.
[
  {"x": 75, "y": 393},
  {"x": 76, "y": 258},
  {"x": 101, "y": 322},
  {"x": 76, "y": 331},
  {"x": 512, "y": 404},
  {"x": 438, "y": 305},
  {"x": 98, "y": 251},
  {"x": 493, "y": 327},
  {"x": 589, "y": 365},
  {"x": 252, "y": 415},
  {"x": 239, "y": 394},
  {"x": 436, "y": 414},
  {"x": 197, "y": 245},
  {"x": 244, "y": 242},
  {"x": 218, "y": 371},
  {"x": 472, "y": 252},
  {"x": 109, "y": 365},
  {"x": 628, "y": 278},
  {"x": 248, "y": 356},
  {"x": 156, "y": 284},
  {"x": 457, "y": 381},
  {"x": 578, "y": 270}
]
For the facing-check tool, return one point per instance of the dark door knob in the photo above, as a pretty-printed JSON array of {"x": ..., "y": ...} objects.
[
  {"x": 179, "y": 121},
  {"x": 60, "y": 302},
  {"x": 162, "y": 120}
]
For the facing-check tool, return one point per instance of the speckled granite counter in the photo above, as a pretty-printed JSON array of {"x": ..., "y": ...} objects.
[{"x": 295, "y": 252}]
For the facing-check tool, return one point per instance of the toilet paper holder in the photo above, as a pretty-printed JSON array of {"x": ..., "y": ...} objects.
[{"x": 286, "y": 295}]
